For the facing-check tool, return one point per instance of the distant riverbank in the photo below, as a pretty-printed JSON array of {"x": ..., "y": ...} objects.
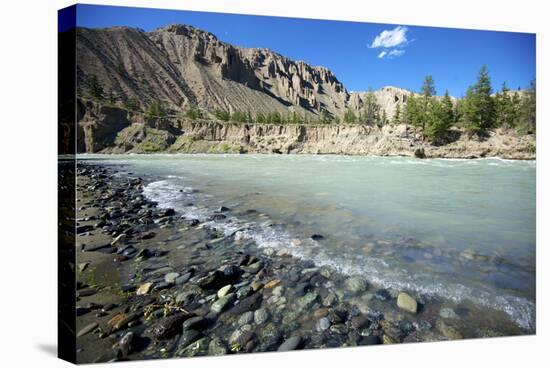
[{"x": 114, "y": 130}]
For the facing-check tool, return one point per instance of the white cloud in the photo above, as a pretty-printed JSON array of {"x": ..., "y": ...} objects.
[
  {"x": 392, "y": 42},
  {"x": 395, "y": 53},
  {"x": 387, "y": 39},
  {"x": 392, "y": 53}
]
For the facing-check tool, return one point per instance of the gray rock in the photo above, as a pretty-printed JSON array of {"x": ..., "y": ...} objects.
[
  {"x": 329, "y": 300},
  {"x": 188, "y": 337},
  {"x": 183, "y": 278},
  {"x": 448, "y": 313},
  {"x": 194, "y": 323},
  {"x": 291, "y": 343},
  {"x": 171, "y": 277},
  {"x": 249, "y": 303},
  {"x": 307, "y": 300},
  {"x": 322, "y": 324},
  {"x": 360, "y": 322},
  {"x": 217, "y": 347},
  {"x": 221, "y": 304},
  {"x": 246, "y": 318},
  {"x": 356, "y": 284},
  {"x": 261, "y": 316},
  {"x": 253, "y": 268},
  {"x": 278, "y": 290},
  {"x": 196, "y": 348},
  {"x": 126, "y": 344}
]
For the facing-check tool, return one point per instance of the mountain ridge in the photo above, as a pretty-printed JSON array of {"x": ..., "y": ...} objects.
[{"x": 189, "y": 67}]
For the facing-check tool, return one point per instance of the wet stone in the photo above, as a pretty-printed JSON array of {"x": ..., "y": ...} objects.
[
  {"x": 407, "y": 303},
  {"x": 261, "y": 316},
  {"x": 291, "y": 343},
  {"x": 194, "y": 323},
  {"x": 322, "y": 324},
  {"x": 246, "y": 318},
  {"x": 171, "y": 277},
  {"x": 216, "y": 347},
  {"x": 223, "y": 303},
  {"x": 356, "y": 284}
]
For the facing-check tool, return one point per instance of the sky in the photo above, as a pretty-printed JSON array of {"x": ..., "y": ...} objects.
[{"x": 361, "y": 55}]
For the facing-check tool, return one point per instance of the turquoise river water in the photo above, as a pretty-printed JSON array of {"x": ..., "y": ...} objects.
[{"x": 457, "y": 229}]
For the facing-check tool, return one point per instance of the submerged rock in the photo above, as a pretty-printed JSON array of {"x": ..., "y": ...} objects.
[
  {"x": 217, "y": 347},
  {"x": 406, "y": 302},
  {"x": 126, "y": 344},
  {"x": 447, "y": 313},
  {"x": 223, "y": 303},
  {"x": 356, "y": 284},
  {"x": 87, "y": 329},
  {"x": 261, "y": 316},
  {"x": 291, "y": 343}
]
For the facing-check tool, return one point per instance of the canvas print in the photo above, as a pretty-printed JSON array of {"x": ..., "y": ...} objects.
[{"x": 234, "y": 184}]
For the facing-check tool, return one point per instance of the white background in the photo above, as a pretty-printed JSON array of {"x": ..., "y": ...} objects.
[{"x": 28, "y": 91}]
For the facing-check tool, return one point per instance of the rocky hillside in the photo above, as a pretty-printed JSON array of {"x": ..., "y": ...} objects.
[{"x": 185, "y": 67}]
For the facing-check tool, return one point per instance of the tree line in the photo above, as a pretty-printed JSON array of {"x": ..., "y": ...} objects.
[{"x": 477, "y": 112}]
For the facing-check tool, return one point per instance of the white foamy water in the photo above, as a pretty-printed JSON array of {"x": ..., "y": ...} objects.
[{"x": 400, "y": 222}]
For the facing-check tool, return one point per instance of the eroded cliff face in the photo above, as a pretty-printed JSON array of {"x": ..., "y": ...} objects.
[
  {"x": 114, "y": 130},
  {"x": 185, "y": 66},
  {"x": 390, "y": 140}
]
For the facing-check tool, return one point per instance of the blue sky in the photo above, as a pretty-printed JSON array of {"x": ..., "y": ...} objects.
[{"x": 361, "y": 55}]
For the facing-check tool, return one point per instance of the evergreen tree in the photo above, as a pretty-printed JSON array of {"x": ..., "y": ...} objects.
[
  {"x": 326, "y": 117},
  {"x": 222, "y": 115},
  {"x": 478, "y": 105},
  {"x": 448, "y": 109},
  {"x": 384, "y": 119},
  {"x": 505, "y": 108},
  {"x": 93, "y": 88},
  {"x": 440, "y": 118},
  {"x": 528, "y": 110},
  {"x": 372, "y": 108},
  {"x": 349, "y": 117},
  {"x": 413, "y": 111},
  {"x": 428, "y": 92},
  {"x": 193, "y": 113},
  {"x": 156, "y": 110},
  {"x": 397, "y": 115},
  {"x": 260, "y": 118}
]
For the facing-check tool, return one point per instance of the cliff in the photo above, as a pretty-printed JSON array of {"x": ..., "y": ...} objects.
[{"x": 115, "y": 130}]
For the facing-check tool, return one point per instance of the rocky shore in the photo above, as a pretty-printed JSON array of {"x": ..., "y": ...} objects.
[{"x": 151, "y": 284}]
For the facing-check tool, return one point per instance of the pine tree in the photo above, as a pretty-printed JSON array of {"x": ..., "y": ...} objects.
[
  {"x": 412, "y": 111},
  {"x": 397, "y": 115},
  {"x": 528, "y": 110},
  {"x": 505, "y": 109},
  {"x": 326, "y": 117},
  {"x": 479, "y": 109},
  {"x": 448, "y": 109},
  {"x": 260, "y": 118},
  {"x": 372, "y": 108},
  {"x": 428, "y": 92},
  {"x": 440, "y": 118},
  {"x": 349, "y": 117},
  {"x": 156, "y": 110},
  {"x": 93, "y": 88}
]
